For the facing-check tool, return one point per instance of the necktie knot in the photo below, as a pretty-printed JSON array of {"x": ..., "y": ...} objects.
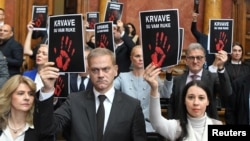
[
  {"x": 194, "y": 76},
  {"x": 101, "y": 98}
]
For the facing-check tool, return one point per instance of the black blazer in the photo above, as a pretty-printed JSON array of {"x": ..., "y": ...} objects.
[
  {"x": 73, "y": 83},
  {"x": 237, "y": 111},
  {"x": 218, "y": 83},
  {"x": 31, "y": 135},
  {"x": 125, "y": 123},
  {"x": 13, "y": 51},
  {"x": 122, "y": 53}
]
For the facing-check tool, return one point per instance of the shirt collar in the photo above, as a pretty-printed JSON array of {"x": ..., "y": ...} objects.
[
  {"x": 109, "y": 94},
  {"x": 199, "y": 73},
  {"x": 236, "y": 62}
]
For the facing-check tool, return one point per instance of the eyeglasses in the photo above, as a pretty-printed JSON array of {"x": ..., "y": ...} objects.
[{"x": 192, "y": 58}]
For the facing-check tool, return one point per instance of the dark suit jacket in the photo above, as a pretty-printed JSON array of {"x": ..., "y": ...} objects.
[
  {"x": 13, "y": 51},
  {"x": 122, "y": 53},
  {"x": 125, "y": 123},
  {"x": 31, "y": 135},
  {"x": 237, "y": 111},
  {"x": 73, "y": 83},
  {"x": 218, "y": 83}
]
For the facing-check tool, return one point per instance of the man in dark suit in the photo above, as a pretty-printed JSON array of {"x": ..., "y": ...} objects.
[
  {"x": 123, "y": 47},
  {"x": 237, "y": 110},
  {"x": 11, "y": 49},
  {"x": 123, "y": 119},
  {"x": 219, "y": 83},
  {"x": 202, "y": 39}
]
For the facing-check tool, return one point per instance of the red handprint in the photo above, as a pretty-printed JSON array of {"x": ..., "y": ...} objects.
[
  {"x": 39, "y": 20},
  {"x": 159, "y": 55},
  {"x": 220, "y": 43},
  {"x": 112, "y": 15},
  {"x": 65, "y": 53},
  {"x": 92, "y": 23},
  {"x": 59, "y": 85},
  {"x": 103, "y": 43}
]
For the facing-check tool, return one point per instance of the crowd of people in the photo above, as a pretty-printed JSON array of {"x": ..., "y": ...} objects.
[{"x": 117, "y": 98}]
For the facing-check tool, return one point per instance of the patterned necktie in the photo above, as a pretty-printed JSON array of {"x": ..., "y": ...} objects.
[
  {"x": 194, "y": 77},
  {"x": 100, "y": 117}
]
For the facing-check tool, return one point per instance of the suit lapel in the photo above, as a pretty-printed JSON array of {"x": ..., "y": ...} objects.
[
  {"x": 181, "y": 82},
  {"x": 204, "y": 76},
  {"x": 91, "y": 112},
  {"x": 89, "y": 85}
]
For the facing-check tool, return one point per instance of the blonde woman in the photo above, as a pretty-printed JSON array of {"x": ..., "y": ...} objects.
[{"x": 16, "y": 110}]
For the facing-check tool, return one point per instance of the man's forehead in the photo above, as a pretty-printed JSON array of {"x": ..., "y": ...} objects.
[
  {"x": 199, "y": 51},
  {"x": 6, "y": 27}
]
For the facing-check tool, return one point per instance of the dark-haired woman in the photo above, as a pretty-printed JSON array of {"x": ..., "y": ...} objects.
[{"x": 196, "y": 112}]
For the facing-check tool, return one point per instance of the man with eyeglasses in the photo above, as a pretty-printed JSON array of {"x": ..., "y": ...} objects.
[{"x": 219, "y": 83}]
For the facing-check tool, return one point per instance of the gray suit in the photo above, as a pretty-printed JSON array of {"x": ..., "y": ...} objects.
[
  {"x": 125, "y": 123},
  {"x": 219, "y": 84}
]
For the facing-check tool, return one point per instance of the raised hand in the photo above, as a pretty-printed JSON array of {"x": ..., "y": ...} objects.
[
  {"x": 49, "y": 75},
  {"x": 65, "y": 53},
  {"x": 151, "y": 74},
  {"x": 220, "y": 43},
  {"x": 160, "y": 45}
]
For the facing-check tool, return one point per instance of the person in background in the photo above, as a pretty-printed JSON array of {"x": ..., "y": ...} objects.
[
  {"x": 4, "y": 73},
  {"x": 16, "y": 110},
  {"x": 27, "y": 48},
  {"x": 123, "y": 117},
  {"x": 131, "y": 31},
  {"x": 79, "y": 79},
  {"x": 133, "y": 84},
  {"x": 218, "y": 83},
  {"x": 11, "y": 49},
  {"x": 196, "y": 110},
  {"x": 91, "y": 41},
  {"x": 41, "y": 59},
  {"x": 2, "y": 16},
  {"x": 123, "y": 47},
  {"x": 235, "y": 65},
  {"x": 238, "y": 110},
  {"x": 202, "y": 39}
]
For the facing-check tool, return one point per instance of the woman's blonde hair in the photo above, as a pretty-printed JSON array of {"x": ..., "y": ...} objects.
[{"x": 6, "y": 92}]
